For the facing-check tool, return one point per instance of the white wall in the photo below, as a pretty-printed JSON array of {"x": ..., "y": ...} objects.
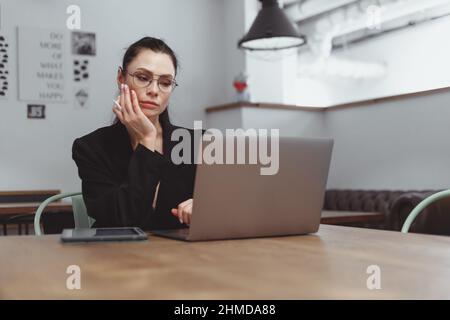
[
  {"x": 36, "y": 154},
  {"x": 234, "y": 28},
  {"x": 416, "y": 59},
  {"x": 291, "y": 123},
  {"x": 400, "y": 144}
]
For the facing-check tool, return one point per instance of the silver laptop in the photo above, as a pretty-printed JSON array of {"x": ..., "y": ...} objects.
[{"x": 235, "y": 201}]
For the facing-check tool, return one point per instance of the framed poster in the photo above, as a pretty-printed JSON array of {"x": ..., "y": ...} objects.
[{"x": 43, "y": 55}]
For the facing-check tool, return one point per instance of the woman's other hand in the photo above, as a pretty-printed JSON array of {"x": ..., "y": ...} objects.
[{"x": 184, "y": 211}]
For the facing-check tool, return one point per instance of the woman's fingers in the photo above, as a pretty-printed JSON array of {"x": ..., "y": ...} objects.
[
  {"x": 116, "y": 104},
  {"x": 135, "y": 103},
  {"x": 118, "y": 114},
  {"x": 184, "y": 214},
  {"x": 180, "y": 213},
  {"x": 175, "y": 210},
  {"x": 185, "y": 202},
  {"x": 127, "y": 101},
  {"x": 124, "y": 102},
  {"x": 117, "y": 109},
  {"x": 122, "y": 99},
  {"x": 184, "y": 211},
  {"x": 187, "y": 213},
  {"x": 182, "y": 206}
]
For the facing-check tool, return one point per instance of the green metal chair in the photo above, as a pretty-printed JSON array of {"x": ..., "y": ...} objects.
[
  {"x": 422, "y": 205},
  {"x": 80, "y": 216}
]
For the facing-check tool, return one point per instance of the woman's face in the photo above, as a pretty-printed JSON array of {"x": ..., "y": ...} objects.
[{"x": 147, "y": 65}]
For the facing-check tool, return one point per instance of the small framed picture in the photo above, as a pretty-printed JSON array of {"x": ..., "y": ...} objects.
[
  {"x": 83, "y": 43},
  {"x": 81, "y": 97},
  {"x": 36, "y": 111}
]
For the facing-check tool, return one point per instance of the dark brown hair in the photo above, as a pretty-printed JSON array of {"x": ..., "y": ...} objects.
[{"x": 154, "y": 44}]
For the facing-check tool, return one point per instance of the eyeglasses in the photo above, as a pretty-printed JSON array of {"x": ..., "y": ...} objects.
[{"x": 143, "y": 80}]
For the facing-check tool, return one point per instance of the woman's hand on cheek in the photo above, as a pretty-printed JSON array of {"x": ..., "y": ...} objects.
[
  {"x": 139, "y": 127},
  {"x": 184, "y": 211}
]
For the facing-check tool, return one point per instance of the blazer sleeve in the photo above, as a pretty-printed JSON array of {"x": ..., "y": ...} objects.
[{"x": 115, "y": 203}]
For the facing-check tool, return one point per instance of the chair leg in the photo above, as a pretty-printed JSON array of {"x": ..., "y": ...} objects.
[
  {"x": 5, "y": 229},
  {"x": 20, "y": 229},
  {"x": 26, "y": 229}
]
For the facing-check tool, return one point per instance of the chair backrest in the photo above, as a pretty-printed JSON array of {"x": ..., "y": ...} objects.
[
  {"x": 81, "y": 218},
  {"x": 422, "y": 205}
]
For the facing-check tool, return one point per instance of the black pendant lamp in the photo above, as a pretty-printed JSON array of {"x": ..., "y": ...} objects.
[{"x": 271, "y": 30}]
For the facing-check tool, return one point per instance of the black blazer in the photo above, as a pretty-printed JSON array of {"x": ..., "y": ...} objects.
[{"x": 119, "y": 184}]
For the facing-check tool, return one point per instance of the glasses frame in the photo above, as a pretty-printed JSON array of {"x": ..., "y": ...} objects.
[{"x": 174, "y": 83}]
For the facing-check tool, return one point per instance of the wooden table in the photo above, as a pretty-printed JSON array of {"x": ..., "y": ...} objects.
[
  {"x": 331, "y": 264},
  {"x": 31, "y": 207}
]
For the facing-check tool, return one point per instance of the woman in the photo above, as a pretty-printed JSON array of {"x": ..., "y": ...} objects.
[{"x": 128, "y": 178}]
